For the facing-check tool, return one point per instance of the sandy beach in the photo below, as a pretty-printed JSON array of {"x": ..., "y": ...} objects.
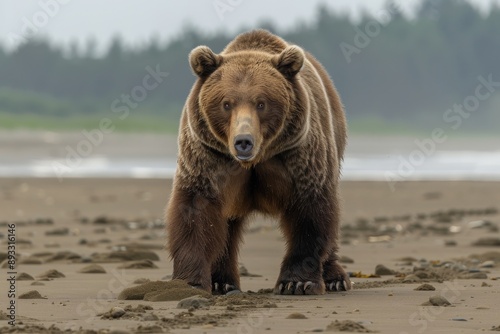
[{"x": 444, "y": 234}]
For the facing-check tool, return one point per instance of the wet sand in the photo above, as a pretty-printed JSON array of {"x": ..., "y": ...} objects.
[{"x": 423, "y": 231}]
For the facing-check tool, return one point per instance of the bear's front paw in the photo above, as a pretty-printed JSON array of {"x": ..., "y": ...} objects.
[
  {"x": 224, "y": 288},
  {"x": 336, "y": 278},
  {"x": 285, "y": 287}
]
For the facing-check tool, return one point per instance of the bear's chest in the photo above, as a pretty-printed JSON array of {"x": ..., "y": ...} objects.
[{"x": 264, "y": 188}]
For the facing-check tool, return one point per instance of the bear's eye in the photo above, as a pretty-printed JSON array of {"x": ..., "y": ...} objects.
[
  {"x": 227, "y": 106},
  {"x": 261, "y": 106}
]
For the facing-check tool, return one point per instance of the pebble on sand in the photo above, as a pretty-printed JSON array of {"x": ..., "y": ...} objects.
[
  {"x": 411, "y": 279},
  {"x": 117, "y": 312},
  {"x": 33, "y": 294},
  {"x": 487, "y": 264},
  {"x": 143, "y": 264},
  {"x": 92, "y": 269},
  {"x": 24, "y": 277},
  {"x": 345, "y": 259},
  {"x": 489, "y": 241},
  {"x": 438, "y": 300},
  {"x": 425, "y": 287},
  {"x": 296, "y": 316},
  {"x": 125, "y": 255},
  {"x": 52, "y": 273},
  {"x": 382, "y": 270},
  {"x": 37, "y": 283}
]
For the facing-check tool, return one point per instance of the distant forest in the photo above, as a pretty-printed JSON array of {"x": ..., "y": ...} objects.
[{"x": 387, "y": 67}]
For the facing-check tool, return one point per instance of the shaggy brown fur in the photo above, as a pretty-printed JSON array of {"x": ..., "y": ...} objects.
[{"x": 264, "y": 130}]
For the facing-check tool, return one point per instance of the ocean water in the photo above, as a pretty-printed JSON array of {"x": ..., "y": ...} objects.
[{"x": 442, "y": 165}]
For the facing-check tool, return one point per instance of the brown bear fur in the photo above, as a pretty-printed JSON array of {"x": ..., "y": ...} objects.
[{"x": 283, "y": 103}]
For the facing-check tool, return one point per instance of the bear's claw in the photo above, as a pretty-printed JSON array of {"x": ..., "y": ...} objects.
[
  {"x": 223, "y": 288},
  {"x": 298, "y": 288},
  {"x": 341, "y": 283}
]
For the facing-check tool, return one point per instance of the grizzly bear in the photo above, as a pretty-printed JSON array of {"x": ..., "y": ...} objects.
[{"x": 263, "y": 130}]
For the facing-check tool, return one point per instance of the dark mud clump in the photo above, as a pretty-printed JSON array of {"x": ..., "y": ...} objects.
[
  {"x": 488, "y": 242},
  {"x": 52, "y": 273},
  {"x": 425, "y": 287},
  {"x": 140, "y": 312},
  {"x": 33, "y": 294},
  {"x": 162, "y": 291},
  {"x": 143, "y": 264},
  {"x": 92, "y": 269},
  {"x": 125, "y": 255},
  {"x": 347, "y": 326},
  {"x": 25, "y": 277}
]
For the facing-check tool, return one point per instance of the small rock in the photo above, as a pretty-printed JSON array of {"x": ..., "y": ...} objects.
[
  {"x": 411, "y": 279},
  {"x": 459, "y": 319},
  {"x": 425, "y": 287},
  {"x": 117, "y": 312},
  {"x": 345, "y": 259},
  {"x": 195, "y": 302},
  {"x": 487, "y": 264},
  {"x": 487, "y": 242},
  {"x": 58, "y": 231},
  {"x": 24, "y": 277},
  {"x": 296, "y": 316},
  {"x": 37, "y": 283},
  {"x": 92, "y": 269},
  {"x": 142, "y": 264},
  {"x": 450, "y": 243},
  {"x": 33, "y": 294},
  {"x": 485, "y": 285},
  {"x": 382, "y": 270},
  {"x": 52, "y": 273},
  {"x": 233, "y": 292},
  {"x": 439, "y": 301}
]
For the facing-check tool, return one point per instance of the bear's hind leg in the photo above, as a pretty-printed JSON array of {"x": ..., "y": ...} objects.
[
  {"x": 334, "y": 275},
  {"x": 225, "y": 272}
]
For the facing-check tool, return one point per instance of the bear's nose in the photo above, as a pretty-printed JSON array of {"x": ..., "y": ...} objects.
[{"x": 243, "y": 145}]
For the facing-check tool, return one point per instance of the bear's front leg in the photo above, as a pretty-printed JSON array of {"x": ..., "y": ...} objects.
[
  {"x": 196, "y": 236},
  {"x": 308, "y": 226},
  {"x": 225, "y": 271},
  {"x": 335, "y": 277}
]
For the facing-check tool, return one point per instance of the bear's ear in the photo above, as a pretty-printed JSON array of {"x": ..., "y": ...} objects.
[
  {"x": 203, "y": 61},
  {"x": 290, "y": 61}
]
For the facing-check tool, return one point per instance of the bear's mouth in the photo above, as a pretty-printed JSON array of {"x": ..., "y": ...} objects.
[{"x": 244, "y": 157}]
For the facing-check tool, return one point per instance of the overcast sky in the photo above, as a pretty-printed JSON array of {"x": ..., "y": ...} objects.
[{"x": 137, "y": 20}]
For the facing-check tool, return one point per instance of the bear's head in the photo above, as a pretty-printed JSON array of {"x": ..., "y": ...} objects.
[{"x": 251, "y": 101}]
